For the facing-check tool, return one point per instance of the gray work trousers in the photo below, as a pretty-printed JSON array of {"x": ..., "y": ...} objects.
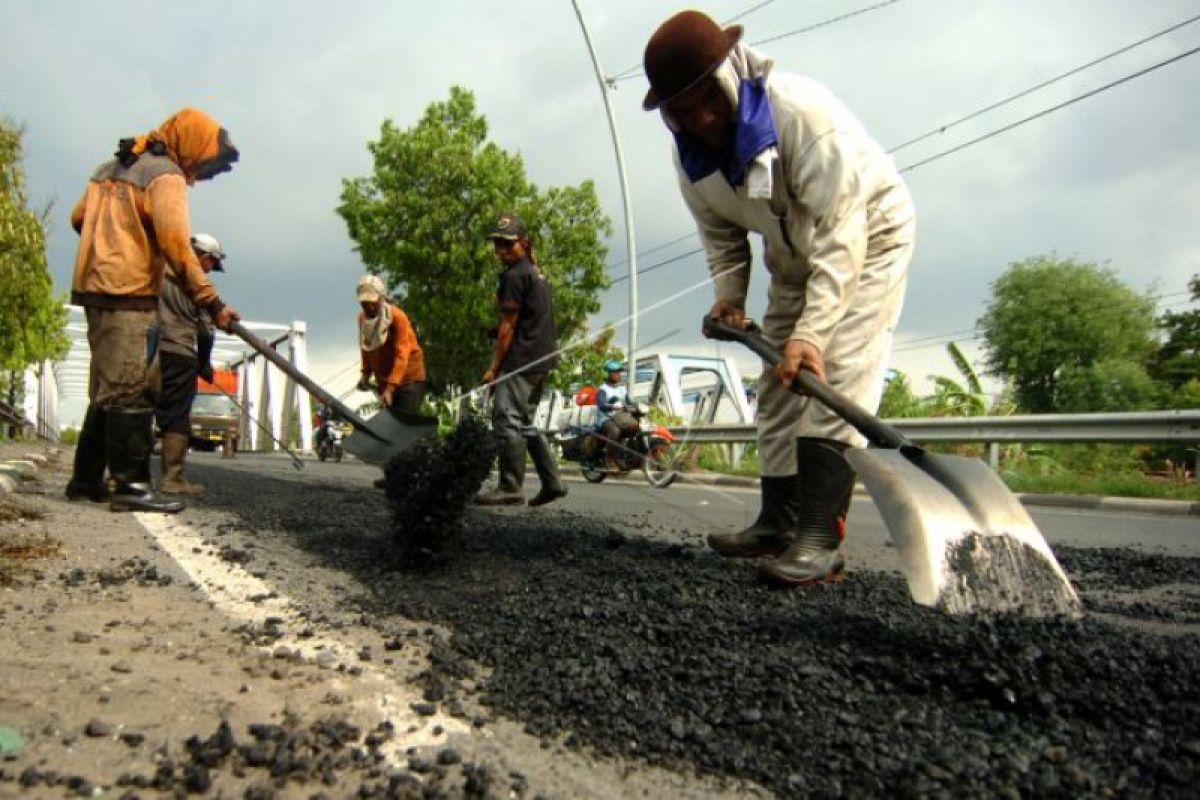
[
  {"x": 855, "y": 356},
  {"x": 515, "y": 400},
  {"x": 124, "y": 373}
]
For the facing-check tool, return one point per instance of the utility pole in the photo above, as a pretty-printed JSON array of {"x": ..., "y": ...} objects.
[{"x": 605, "y": 86}]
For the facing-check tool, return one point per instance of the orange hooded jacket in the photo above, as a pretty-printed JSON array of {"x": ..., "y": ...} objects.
[
  {"x": 400, "y": 360},
  {"x": 133, "y": 219}
]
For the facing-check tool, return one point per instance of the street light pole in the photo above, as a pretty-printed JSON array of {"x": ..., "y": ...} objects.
[{"x": 631, "y": 372}]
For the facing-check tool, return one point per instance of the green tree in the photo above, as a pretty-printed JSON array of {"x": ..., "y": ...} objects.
[
  {"x": 1177, "y": 362},
  {"x": 32, "y": 319},
  {"x": 899, "y": 400},
  {"x": 584, "y": 365},
  {"x": 1107, "y": 386},
  {"x": 420, "y": 219},
  {"x": 1049, "y": 314}
]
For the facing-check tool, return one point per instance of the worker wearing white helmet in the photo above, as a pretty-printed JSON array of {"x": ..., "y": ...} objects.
[{"x": 185, "y": 351}]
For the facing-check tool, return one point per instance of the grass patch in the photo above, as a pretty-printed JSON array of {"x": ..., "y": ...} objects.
[
  {"x": 1117, "y": 485},
  {"x": 18, "y": 548}
]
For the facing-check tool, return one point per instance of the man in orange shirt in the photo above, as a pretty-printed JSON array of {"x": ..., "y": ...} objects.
[
  {"x": 391, "y": 353},
  {"x": 133, "y": 224}
]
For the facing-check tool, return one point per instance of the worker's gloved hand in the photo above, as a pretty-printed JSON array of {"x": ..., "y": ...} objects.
[
  {"x": 206, "y": 372},
  {"x": 364, "y": 383},
  {"x": 224, "y": 318}
]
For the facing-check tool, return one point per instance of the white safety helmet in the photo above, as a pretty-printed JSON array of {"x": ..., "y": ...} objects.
[{"x": 207, "y": 244}]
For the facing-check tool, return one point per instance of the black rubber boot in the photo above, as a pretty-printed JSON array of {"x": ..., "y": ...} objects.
[
  {"x": 87, "y": 478},
  {"x": 547, "y": 470},
  {"x": 825, "y": 487},
  {"x": 510, "y": 463},
  {"x": 129, "y": 439},
  {"x": 772, "y": 532}
]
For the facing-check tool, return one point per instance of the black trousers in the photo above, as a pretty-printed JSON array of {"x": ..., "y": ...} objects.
[
  {"x": 407, "y": 399},
  {"x": 173, "y": 414}
]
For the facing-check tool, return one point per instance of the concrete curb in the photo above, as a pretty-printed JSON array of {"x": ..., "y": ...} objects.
[{"x": 15, "y": 471}]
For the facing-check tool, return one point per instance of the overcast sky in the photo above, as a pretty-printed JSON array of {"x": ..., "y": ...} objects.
[{"x": 303, "y": 86}]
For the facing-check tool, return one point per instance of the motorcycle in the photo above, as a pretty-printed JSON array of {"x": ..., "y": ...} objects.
[
  {"x": 329, "y": 441},
  {"x": 649, "y": 449}
]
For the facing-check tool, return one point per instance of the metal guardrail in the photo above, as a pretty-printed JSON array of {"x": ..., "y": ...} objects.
[{"x": 1140, "y": 427}]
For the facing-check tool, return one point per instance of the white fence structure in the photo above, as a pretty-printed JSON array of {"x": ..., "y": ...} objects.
[{"x": 269, "y": 399}]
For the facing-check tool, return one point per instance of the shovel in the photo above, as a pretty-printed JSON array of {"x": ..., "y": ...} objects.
[
  {"x": 966, "y": 543},
  {"x": 376, "y": 440}
]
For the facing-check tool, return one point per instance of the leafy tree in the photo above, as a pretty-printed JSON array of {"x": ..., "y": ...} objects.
[
  {"x": 1049, "y": 314},
  {"x": 584, "y": 365},
  {"x": 1178, "y": 360},
  {"x": 420, "y": 219},
  {"x": 952, "y": 398},
  {"x": 32, "y": 319},
  {"x": 899, "y": 400},
  {"x": 1107, "y": 386}
]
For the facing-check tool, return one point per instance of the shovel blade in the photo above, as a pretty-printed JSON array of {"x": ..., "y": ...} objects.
[
  {"x": 388, "y": 434},
  {"x": 966, "y": 543}
]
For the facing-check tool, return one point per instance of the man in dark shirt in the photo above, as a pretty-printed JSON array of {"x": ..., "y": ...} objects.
[{"x": 524, "y": 354}]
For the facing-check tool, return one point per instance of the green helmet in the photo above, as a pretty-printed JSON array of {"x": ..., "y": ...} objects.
[{"x": 614, "y": 366}]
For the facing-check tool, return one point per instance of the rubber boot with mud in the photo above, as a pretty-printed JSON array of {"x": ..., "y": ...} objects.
[
  {"x": 826, "y": 483},
  {"x": 87, "y": 478},
  {"x": 510, "y": 463},
  {"x": 775, "y": 528},
  {"x": 128, "y": 442},
  {"x": 547, "y": 470},
  {"x": 174, "y": 454}
]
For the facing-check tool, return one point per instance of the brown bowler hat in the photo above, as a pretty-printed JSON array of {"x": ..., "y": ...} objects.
[{"x": 682, "y": 52}]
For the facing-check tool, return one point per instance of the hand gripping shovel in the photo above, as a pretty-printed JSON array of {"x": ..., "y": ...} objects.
[
  {"x": 376, "y": 440},
  {"x": 966, "y": 543}
]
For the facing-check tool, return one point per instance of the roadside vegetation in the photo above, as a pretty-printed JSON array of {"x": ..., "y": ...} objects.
[{"x": 1063, "y": 337}]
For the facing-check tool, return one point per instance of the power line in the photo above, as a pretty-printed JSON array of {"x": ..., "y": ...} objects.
[
  {"x": 654, "y": 249},
  {"x": 823, "y": 23},
  {"x": 626, "y": 73},
  {"x": 636, "y": 70},
  {"x": 1043, "y": 84},
  {"x": 1050, "y": 110},
  {"x": 747, "y": 12},
  {"x": 661, "y": 264}
]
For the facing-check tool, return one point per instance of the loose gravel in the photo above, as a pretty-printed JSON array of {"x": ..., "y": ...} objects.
[{"x": 648, "y": 648}]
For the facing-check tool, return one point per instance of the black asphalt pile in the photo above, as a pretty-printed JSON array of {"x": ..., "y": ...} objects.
[
  {"x": 635, "y": 648},
  {"x": 324, "y": 759},
  {"x": 1144, "y": 586},
  {"x": 430, "y": 484}
]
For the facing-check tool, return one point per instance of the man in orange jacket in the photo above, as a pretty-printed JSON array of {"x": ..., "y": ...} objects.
[
  {"x": 133, "y": 224},
  {"x": 390, "y": 351}
]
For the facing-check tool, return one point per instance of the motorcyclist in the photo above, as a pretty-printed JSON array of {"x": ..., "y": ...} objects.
[
  {"x": 324, "y": 417},
  {"x": 614, "y": 422}
]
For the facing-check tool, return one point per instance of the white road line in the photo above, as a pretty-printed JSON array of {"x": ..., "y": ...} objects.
[{"x": 244, "y": 598}]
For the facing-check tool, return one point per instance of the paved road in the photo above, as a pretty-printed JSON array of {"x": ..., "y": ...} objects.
[{"x": 701, "y": 509}]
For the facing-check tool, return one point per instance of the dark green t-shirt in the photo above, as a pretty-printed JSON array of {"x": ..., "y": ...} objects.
[{"x": 524, "y": 289}]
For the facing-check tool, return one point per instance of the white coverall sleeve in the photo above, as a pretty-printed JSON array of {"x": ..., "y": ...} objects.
[
  {"x": 725, "y": 244},
  {"x": 826, "y": 184}
]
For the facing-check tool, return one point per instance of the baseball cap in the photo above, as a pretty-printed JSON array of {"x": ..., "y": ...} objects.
[
  {"x": 208, "y": 244},
  {"x": 508, "y": 226},
  {"x": 371, "y": 289}
]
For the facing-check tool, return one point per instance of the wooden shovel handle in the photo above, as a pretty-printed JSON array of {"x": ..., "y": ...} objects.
[{"x": 806, "y": 383}]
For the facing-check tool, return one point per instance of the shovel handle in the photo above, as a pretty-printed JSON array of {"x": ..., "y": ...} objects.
[
  {"x": 272, "y": 355},
  {"x": 877, "y": 432}
]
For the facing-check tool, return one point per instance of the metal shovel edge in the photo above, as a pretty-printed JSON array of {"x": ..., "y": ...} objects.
[
  {"x": 966, "y": 544},
  {"x": 376, "y": 440}
]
